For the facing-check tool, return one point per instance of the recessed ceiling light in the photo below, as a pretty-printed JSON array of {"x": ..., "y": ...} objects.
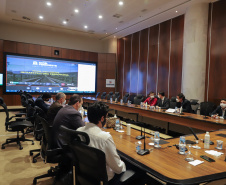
[
  {"x": 120, "y": 3},
  {"x": 106, "y": 33},
  {"x": 76, "y": 10},
  {"x": 114, "y": 36},
  {"x": 116, "y": 28},
  {"x": 64, "y": 22},
  {"x": 49, "y": 3},
  {"x": 41, "y": 17},
  {"x": 85, "y": 26},
  {"x": 100, "y": 16},
  {"x": 176, "y": 11}
]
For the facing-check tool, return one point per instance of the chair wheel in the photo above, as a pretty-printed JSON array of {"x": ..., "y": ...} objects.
[
  {"x": 31, "y": 153},
  {"x": 3, "y": 147},
  {"x": 34, "y": 160},
  {"x": 32, "y": 143},
  {"x": 21, "y": 148},
  {"x": 34, "y": 181}
]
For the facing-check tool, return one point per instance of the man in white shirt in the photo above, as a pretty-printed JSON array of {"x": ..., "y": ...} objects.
[{"x": 102, "y": 140}]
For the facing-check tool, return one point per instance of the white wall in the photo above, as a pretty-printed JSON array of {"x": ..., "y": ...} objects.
[{"x": 54, "y": 37}]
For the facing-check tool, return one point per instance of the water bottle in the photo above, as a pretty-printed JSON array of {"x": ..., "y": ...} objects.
[
  {"x": 141, "y": 104},
  {"x": 116, "y": 100},
  {"x": 207, "y": 141},
  {"x": 110, "y": 100},
  {"x": 146, "y": 105},
  {"x": 121, "y": 101},
  {"x": 51, "y": 101},
  {"x": 175, "y": 109},
  {"x": 156, "y": 140},
  {"x": 182, "y": 145}
]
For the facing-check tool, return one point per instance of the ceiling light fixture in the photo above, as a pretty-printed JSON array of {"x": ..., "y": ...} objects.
[
  {"x": 114, "y": 36},
  {"x": 64, "y": 22},
  {"x": 85, "y": 26},
  {"x": 176, "y": 11},
  {"x": 106, "y": 33},
  {"x": 49, "y": 3},
  {"x": 116, "y": 28},
  {"x": 76, "y": 10},
  {"x": 120, "y": 3},
  {"x": 41, "y": 17},
  {"x": 100, "y": 16}
]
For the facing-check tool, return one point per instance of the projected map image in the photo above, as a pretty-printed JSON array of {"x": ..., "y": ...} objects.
[{"x": 41, "y": 75}]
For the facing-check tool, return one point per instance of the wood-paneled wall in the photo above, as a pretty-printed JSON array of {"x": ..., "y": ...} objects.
[
  {"x": 106, "y": 62},
  {"x": 216, "y": 53},
  {"x": 151, "y": 59}
]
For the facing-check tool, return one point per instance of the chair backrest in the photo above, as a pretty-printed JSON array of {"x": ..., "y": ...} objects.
[
  {"x": 24, "y": 100},
  {"x": 173, "y": 102},
  {"x": 89, "y": 162},
  {"x": 193, "y": 101},
  {"x": 195, "y": 108},
  {"x": 116, "y": 95},
  {"x": 131, "y": 98},
  {"x": 206, "y": 108},
  {"x": 125, "y": 98},
  {"x": 2, "y": 103},
  {"x": 103, "y": 95},
  {"x": 138, "y": 99},
  {"x": 40, "y": 112},
  {"x": 110, "y": 95}
]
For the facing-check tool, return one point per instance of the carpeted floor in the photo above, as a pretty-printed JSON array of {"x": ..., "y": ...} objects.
[{"x": 16, "y": 167}]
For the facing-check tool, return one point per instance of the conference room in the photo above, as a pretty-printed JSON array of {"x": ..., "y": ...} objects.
[{"x": 108, "y": 51}]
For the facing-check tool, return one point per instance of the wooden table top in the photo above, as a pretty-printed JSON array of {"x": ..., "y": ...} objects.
[
  {"x": 188, "y": 119},
  {"x": 166, "y": 164}
]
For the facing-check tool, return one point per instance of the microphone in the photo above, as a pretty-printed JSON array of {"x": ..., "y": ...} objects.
[
  {"x": 192, "y": 131},
  {"x": 143, "y": 151}
]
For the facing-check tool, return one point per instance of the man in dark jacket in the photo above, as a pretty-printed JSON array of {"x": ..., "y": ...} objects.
[
  {"x": 186, "y": 105},
  {"x": 41, "y": 102},
  {"x": 163, "y": 102},
  {"x": 220, "y": 110}
]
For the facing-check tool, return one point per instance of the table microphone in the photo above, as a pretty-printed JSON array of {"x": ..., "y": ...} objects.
[{"x": 143, "y": 151}]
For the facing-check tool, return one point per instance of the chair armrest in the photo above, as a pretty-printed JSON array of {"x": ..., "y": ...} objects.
[
  {"x": 54, "y": 152},
  {"x": 127, "y": 175},
  {"x": 20, "y": 114}
]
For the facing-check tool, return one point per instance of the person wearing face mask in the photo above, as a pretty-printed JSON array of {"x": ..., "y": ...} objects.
[
  {"x": 42, "y": 102},
  {"x": 102, "y": 140},
  {"x": 184, "y": 103},
  {"x": 151, "y": 100},
  {"x": 163, "y": 102},
  {"x": 220, "y": 110},
  {"x": 55, "y": 107},
  {"x": 69, "y": 116}
]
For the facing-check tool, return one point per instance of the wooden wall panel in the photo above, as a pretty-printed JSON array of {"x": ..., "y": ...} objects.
[
  {"x": 176, "y": 56},
  {"x": 142, "y": 75},
  {"x": 135, "y": 63},
  {"x": 22, "y": 48},
  {"x": 216, "y": 74},
  {"x": 1, "y": 60},
  {"x": 127, "y": 55},
  {"x": 46, "y": 51},
  {"x": 84, "y": 55},
  {"x": 164, "y": 54},
  {"x": 74, "y": 54},
  {"x": 34, "y": 49},
  {"x": 153, "y": 59},
  {"x": 9, "y": 46},
  {"x": 120, "y": 65},
  {"x": 93, "y": 57}
]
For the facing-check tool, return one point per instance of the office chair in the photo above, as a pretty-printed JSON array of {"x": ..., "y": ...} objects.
[
  {"x": 110, "y": 95},
  {"x": 103, "y": 95},
  {"x": 15, "y": 126},
  {"x": 125, "y": 98},
  {"x": 131, "y": 98},
  {"x": 48, "y": 152},
  {"x": 173, "y": 102},
  {"x": 138, "y": 99},
  {"x": 116, "y": 95},
  {"x": 194, "y": 101},
  {"x": 206, "y": 108},
  {"x": 89, "y": 164}
]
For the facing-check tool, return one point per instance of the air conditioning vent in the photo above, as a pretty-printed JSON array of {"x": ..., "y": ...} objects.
[{"x": 117, "y": 15}]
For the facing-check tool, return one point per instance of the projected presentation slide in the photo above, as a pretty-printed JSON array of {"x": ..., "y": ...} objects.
[{"x": 49, "y": 75}]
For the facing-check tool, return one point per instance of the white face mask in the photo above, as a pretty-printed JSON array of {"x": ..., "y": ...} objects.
[
  {"x": 158, "y": 96},
  {"x": 223, "y": 106},
  {"x": 152, "y": 97},
  {"x": 64, "y": 102},
  {"x": 177, "y": 100}
]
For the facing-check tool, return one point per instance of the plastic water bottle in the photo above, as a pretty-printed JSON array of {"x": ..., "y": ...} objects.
[
  {"x": 116, "y": 100},
  {"x": 51, "y": 100},
  {"x": 175, "y": 109},
  {"x": 110, "y": 100},
  {"x": 156, "y": 140},
  {"x": 182, "y": 145},
  {"x": 207, "y": 141},
  {"x": 146, "y": 105},
  {"x": 121, "y": 101}
]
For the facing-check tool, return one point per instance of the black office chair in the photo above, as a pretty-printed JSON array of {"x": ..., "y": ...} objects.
[
  {"x": 15, "y": 126},
  {"x": 89, "y": 164},
  {"x": 125, "y": 98},
  {"x": 138, "y": 99},
  {"x": 173, "y": 102},
  {"x": 49, "y": 153},
  {"x": 110, "y": 95},
  {"x": 206, "y": 108},
  {"x": 194, "y": 101},
  {"x": 116, "y": 95},
  {"x": 131, "y": 98},
  {"x": 103, "y": 96}
]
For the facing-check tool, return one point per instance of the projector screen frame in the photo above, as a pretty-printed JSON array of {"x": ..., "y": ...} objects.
[{"x": 43, "y": 57}]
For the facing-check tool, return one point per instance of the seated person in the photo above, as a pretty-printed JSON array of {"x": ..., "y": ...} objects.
[
  {"x": 55, "y": 107},
  {"x": 163, "y": 102},
  {"x": 41, "y": 102},
  {"x": 186, "y": 105},
  {"x": 151, "y": 100},
  {"x": 69, "y": 116},
  {"x": 102, "y": 140},
  {"x": 220, "y": 110}
]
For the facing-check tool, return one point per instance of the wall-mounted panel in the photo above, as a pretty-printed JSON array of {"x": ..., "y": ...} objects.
[
  {"x": 22, "y": 48},
  {"x": 46, "y": 51},
  {"x": 9, "y": 46},
  {"x": 34, "y": 49}
]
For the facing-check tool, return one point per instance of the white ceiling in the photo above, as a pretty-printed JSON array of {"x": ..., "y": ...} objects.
[{"x": 135, "y": 14}]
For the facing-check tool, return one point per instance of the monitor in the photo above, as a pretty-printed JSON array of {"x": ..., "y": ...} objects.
[
  {"x": 1, "y": 79},
  {"x": 36, "y": 74}
]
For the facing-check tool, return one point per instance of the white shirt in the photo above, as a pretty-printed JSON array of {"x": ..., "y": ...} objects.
[{"x": 103, "y": 140}]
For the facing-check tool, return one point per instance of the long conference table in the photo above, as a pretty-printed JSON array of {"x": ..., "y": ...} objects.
[{"x": 187, "y": 119}]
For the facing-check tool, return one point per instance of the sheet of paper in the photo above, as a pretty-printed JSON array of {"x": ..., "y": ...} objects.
[
  {"x": 170, "y": 110},
  {"x": 196, "y": 162},
  {"x": 214, "y": 152}
]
